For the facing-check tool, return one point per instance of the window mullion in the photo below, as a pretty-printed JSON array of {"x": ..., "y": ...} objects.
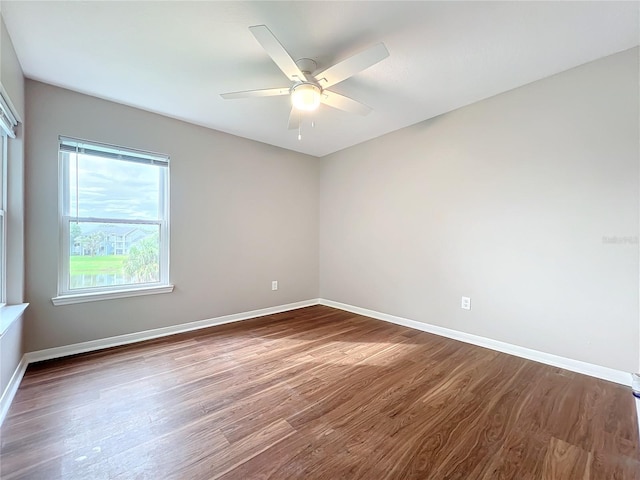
[{"x": 127, "y": 221}]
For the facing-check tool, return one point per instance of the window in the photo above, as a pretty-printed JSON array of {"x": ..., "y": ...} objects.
[
  {"x": 8, "y": 123},
  {"x": 114, "y": 222},
  {"x": 3, "y": 216}
]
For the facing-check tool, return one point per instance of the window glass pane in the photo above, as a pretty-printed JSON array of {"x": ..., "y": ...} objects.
[
  {"x": 108, "y": 254},
  {"x": 3, "y": 243},
  {"x": 114, "y": 216},
  {"x": 2, "y": 257},
  {"x": 2, "y": 169},
  {"x": 108, "y": 188}
]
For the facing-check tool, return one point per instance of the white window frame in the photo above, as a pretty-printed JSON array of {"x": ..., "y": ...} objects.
[
  {"x": 4, "y": 150},
  {"x": 8, "y": 123},
  {"x": 66, "y": 295}
]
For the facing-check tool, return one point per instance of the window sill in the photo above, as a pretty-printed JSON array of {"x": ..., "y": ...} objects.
[
  {"x": 95, "y": 297},
  {"x": 9, "y": 314}
]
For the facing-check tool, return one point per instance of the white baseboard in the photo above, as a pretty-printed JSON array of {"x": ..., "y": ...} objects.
[
  {"x": 12, "y": 388},
  {"x": 605, "y": 373},
  {"x": 57, "y": 352},
  {"x": 597, "y": 371},
  {"x": 578, "y": 366},
  {"x": 102, "y": 343}
]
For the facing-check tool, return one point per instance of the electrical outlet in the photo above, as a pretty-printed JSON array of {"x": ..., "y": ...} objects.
[
  {"x": 274, "y": 285},
  {"x": 466, "y": 303}
]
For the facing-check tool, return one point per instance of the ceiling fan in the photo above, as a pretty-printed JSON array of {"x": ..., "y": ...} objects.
[{"x": 309, "y": 88}]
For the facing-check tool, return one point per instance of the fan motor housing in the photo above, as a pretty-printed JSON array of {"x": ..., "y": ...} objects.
[{"x": 307, "y": 66}]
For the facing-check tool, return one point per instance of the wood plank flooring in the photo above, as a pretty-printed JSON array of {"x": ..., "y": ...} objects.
[{"x": 315, "y": 393}]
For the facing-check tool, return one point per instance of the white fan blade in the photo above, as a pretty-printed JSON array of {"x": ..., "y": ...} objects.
[
  {"x": 267, "y": 92},
  {"x": 277, "y": 52},
  {"x": 346, "y": 104},
  {"x": 352, "y": 65}
]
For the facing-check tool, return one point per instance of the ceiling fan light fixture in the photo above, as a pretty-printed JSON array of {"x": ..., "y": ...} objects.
[{"x": 306, "y": 96}]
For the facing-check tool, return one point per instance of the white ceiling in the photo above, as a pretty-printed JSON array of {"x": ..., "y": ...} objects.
[{"x": 175, "y": 58}]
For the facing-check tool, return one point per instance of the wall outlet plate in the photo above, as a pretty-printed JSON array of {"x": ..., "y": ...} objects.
[
  {"x": 465, "y": 303},
  {"x": 274, "y": 285}
]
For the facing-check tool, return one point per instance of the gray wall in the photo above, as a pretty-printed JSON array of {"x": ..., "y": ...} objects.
[
  {"x": 12, "y": 81},
  {"x": 11, "y": 348},
  {"x": 506, "y": 201},
  {"x": 10, "y": 70},
  {"x": 242, "y": 214}
]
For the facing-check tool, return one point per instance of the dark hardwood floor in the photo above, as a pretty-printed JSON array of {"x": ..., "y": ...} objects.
[{"x": 315, "y": 393}]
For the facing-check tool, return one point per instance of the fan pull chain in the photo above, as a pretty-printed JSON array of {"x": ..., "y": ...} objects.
[{"x": 313, "y": 124}]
